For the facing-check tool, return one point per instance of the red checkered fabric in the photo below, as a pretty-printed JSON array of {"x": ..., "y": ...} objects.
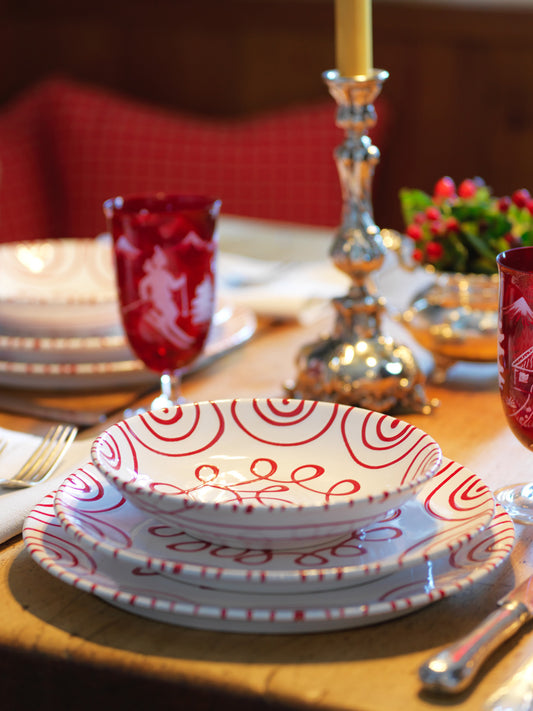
[
  {"x": 87, "y": 144},
  {"x": 26, "y": 180}
]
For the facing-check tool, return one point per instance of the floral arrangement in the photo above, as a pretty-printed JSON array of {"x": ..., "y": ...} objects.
[{"x": 463, "y": 229}]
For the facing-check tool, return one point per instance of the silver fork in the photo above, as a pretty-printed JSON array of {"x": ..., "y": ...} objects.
[{"x": 44, "y": 461}]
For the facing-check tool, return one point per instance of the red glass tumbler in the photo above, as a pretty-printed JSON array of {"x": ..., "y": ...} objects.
[
  {"x": 515, "y": 364},
  {"x": 165, "y": 249}
]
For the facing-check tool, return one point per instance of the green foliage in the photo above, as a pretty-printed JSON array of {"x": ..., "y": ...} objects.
[{"x": 464, "y": 230}]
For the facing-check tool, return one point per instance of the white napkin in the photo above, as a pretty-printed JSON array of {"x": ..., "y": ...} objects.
[
  {"x": 16, "y": 504},
  {"x": 298, "y": 290}
]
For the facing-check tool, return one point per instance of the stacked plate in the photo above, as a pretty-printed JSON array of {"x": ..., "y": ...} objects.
[
  {"x": 364, "y": 518},
  {"x": 60, "y": 324}
]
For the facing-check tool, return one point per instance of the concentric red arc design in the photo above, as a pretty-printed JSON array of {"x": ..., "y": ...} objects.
[
  {"x": 283, "y": 423},
  {"x": 464, "y": 493},
  {"x": 141, "y": 590},
  {"x": 429, "y": 526},
  {"x": 266, "y": 472}
]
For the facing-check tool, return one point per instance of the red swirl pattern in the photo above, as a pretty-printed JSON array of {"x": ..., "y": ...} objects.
[
  {"x": 101, "y": 519},
  {"x": 118, "y": 447},
  {"x": 376, "y": 444},
  {"x": 280, "y": 422},
  {"x": 57, "y": 548},
  {"x": 92, "y": 508},
  {"x": 206, "y": 467},
  {"x": 464, "y": 498},
  {"x": 139, "y": 589}
]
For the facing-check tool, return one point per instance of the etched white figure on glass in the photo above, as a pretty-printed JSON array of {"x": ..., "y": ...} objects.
[{"x": 168, "y": 297}]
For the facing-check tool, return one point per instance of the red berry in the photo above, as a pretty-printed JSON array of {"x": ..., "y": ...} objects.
[
  {"x": 530, "y": 206},
  {"x": 437, "y": 227},
  {"x": 504, "y": 203},
  {"x": 419, "y": 218},
  {"x": 434, "y": 251},
  {"x": 418, "y": 255},
  {"x": 432, "y": 213},
  {"x": 521, "y": 197},
  {"x": 467, "y": 189},
  {"x": 414, "y": 232},
  {"x": 452, "y": 224},
  {"x": 444, "y": 189}
]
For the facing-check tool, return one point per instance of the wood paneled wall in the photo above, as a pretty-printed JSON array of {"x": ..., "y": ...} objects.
[{"x": 460, "y": 92}]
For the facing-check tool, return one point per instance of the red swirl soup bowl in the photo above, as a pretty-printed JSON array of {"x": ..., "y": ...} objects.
[{"x": 266, "y": 473}]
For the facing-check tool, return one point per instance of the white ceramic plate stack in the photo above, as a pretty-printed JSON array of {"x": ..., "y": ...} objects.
[
  {"x": 120, "y": 526},
  {"x": 60, "y": 324}
]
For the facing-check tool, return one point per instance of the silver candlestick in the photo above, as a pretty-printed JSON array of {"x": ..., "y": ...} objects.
[{"x": 357, "y": 365}]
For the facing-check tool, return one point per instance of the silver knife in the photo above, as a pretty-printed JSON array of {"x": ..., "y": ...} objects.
[
  {"x": 81, "y": 418},
  {"x": 454, "y": 668}
]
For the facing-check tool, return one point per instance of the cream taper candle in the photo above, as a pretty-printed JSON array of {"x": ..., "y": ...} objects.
[{"x": 353, "y": 37}]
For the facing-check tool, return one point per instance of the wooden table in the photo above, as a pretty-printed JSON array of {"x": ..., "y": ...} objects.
[{"x": 62, "y": 648}]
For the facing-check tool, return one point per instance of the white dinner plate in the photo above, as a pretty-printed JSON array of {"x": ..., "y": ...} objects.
[
  {"x": 452, "y": 507},
  {"x": 67, "y": 349},
  {"x": 60, "y": 287},
  {"x": 232, "y": 327},
  {"x": 145, "y": 592},
  {"x": 61, "y": 350}
]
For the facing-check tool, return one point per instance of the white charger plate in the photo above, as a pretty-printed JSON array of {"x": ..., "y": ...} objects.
[
  {"x": 145, "y": 592},
  {"x": 234, "y": 327},
  {"x": 451, "y": 508}
]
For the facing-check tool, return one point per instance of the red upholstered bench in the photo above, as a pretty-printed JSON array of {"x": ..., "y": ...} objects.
[{"x": 65, "y": 148}]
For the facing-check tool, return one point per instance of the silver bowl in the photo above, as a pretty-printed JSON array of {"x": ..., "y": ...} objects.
[{"x": 456, "y": 319}]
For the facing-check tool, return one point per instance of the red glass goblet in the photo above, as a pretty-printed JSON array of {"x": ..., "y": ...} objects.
[
  {"x": 515, "y": 364},
  {"x": 165, "y": 250}
]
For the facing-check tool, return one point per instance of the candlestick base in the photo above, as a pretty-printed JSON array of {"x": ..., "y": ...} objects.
[
  {"x": 370, "y": 371},
  {"x": 357, "y": 365}
]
